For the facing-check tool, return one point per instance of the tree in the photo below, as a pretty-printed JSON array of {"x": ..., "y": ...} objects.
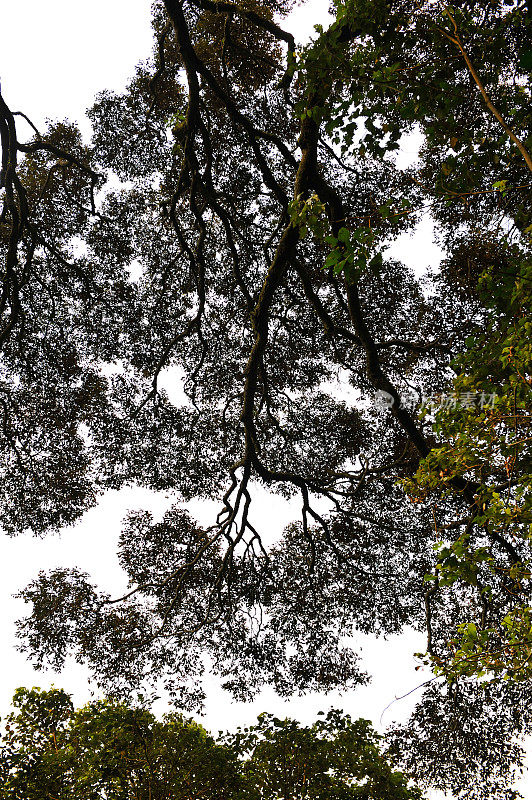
[
  {"x": 336, "y": 757},
  {"x": 246, "y": 250},
  {"x": 108, "y": 749},
  {"x": 493, "y": 450}
]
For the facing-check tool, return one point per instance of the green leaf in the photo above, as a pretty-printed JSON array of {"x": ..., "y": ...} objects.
[
  {"x": 344, "y": 235},
  {"x": 525, "y": 60}
]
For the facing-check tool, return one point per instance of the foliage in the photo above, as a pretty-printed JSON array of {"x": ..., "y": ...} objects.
[
  {"x": 241, "y": 244},
  {"x": 108, "y": 749},
  {"x": 492, "y": 451},
  {"x": 336, "y": 757}
]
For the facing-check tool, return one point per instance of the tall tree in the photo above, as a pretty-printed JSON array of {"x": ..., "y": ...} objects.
[
  {"x": 110, "y": 750},
  {"x": 245, "y": 251}
]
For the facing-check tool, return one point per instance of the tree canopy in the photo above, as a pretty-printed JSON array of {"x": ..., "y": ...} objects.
[
  {"x": 111, "y": 750},
  {"x": 229, "y": 226}
]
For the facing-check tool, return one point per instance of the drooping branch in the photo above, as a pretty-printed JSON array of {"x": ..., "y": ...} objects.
[{"x": 457, "y": 41}]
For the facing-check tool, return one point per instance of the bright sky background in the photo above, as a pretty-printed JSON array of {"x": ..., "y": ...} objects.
[{"x": 54, "y": 56}]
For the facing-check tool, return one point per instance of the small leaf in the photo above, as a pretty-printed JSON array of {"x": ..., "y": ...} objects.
[
  {"x": 343, "y": 235},
  {"x": 525, "y": 60}
]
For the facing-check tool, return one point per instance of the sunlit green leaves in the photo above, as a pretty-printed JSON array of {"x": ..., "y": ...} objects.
[{"x": 110, "y": 749}]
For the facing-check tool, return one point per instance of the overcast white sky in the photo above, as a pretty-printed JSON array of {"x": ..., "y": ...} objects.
[{"x": 54, "y": 56}]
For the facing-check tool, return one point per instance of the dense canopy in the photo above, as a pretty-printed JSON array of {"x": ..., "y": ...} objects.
[
  {"x": 118, "y": 752},
  {"x": 228, "y": 229}
]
